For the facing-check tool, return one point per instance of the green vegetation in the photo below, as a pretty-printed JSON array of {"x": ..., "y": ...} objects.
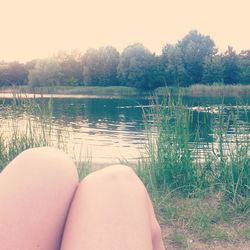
[
  {"x": 172, "y": 163},
  {"x": 33, "y": 133},
  {"x": 82, "y": 90},
  {"x": 205, "y": 219},
  {"x": 196, "y": 90},
  {"x": 169, "y": 161},
  {"x": 178, "y": 239},
  {"x": 193, "y": 60},
  {"x": 204, "y": 197},
  {"x": 219, "y": 90},
  {"x": 202, "y": 90},
  {"x": 36, "y": 130}
]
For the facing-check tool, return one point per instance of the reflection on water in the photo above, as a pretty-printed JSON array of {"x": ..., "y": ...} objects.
[{"x": 112, "y": 129}]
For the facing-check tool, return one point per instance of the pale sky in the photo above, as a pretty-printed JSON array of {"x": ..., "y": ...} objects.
[{"x": 40, "y": 28}]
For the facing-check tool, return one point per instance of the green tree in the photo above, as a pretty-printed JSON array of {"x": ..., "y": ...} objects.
[
  {"x": 30, "y": 64},
  {"x": 213, "y": 70},
  {"x": 71, "y": 68},
  {"x": 47, "y": 72},
  {"x": 90, "y": 67},
  {"x": 138, "y": 67},
  {"x": 244, "y": 66},
  {"x": 230, "y": 66},
  {"x": 108, "y": 60},
  {"x": 157, "y": 76},
  {"x": 4, "y": 74},
  {"x": 13, "y": 73},
  {"x": 195, "y": 48},
  {"x": 174, "y": 69},
  {"x": 100, "y": 66}
]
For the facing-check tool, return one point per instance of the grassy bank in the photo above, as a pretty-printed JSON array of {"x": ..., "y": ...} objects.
[
  {"x": 77, "y": 90},
  {"x": 199, "y": 202},
  {"x": 202, "y": 90},
  {"x": 203, "y": 222},
  {"x": 197, "y": 90}
]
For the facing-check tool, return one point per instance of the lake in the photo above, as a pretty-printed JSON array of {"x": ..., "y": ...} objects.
[{"x": 110, "y": 130}]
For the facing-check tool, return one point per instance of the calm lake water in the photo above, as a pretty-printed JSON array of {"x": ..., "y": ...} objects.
[{"x": 110, "y": 130}]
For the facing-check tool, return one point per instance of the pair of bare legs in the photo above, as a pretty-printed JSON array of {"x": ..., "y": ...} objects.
[{"x": 43, "y": 206}]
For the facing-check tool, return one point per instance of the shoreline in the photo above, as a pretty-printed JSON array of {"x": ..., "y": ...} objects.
[{"x": 196, "y": 90}]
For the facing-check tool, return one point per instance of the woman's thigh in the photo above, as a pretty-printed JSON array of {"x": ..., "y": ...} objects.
[
  {"x": 111, "y": 211},
  {"x": 36, "y": 190}
]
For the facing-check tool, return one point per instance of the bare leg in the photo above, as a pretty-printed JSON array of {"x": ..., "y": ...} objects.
[
  {"x": 36, "y": 189},
  {"x": 111, "y": 210}
]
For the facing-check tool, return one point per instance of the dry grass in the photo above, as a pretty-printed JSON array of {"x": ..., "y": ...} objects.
[
  {"x": 75, "y": 90},
  {"x": 202, "y": 223},
  {"x": 219, "y": 90},
  {"x": 202, "y": 90}
]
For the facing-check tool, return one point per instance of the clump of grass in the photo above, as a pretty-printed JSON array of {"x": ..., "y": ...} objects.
[
  {"x": 171, "y": 163},
  {"x": 203, "y": 90},
  {"x": 36, "y": 129},
  {"x": 84, "y": 167},
  {"x": 245, "y": 233},
  {"x": 167, "y": 91},
  {"x": 33, "y": 132},
  {"x": 230, "y": 157},
  {"x": 179, "y": 239},
  {"x": 205, "y": 218},
  {"x": 218, "y": 89}
]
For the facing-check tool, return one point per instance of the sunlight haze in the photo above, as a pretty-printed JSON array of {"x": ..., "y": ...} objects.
[{"x": 36, "y": 29}]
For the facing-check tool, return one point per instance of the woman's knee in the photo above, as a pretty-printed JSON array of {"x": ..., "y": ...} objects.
[
  {"x": 113, "y": 172},
  {"x": 43, "y": 160},
  {"x": 36, "y": 190},
  {"x": 116, "y": 176},
  {"x": 111, "y": 201}
]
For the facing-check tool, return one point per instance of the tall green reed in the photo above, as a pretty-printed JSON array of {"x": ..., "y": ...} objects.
[
  {"x": 31, "y": 124},
  {"x": 173, "y": 160},
  {"x": 34, "y": 129},
  {"x": 169, "y": 162},
  {"x": 232, "y": 156}
]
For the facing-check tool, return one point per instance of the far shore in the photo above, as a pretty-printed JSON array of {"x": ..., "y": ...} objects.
[{"x": 196, "y": 90}]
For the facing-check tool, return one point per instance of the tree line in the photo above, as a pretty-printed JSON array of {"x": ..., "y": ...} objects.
[{"x": 193, "y": 59}]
